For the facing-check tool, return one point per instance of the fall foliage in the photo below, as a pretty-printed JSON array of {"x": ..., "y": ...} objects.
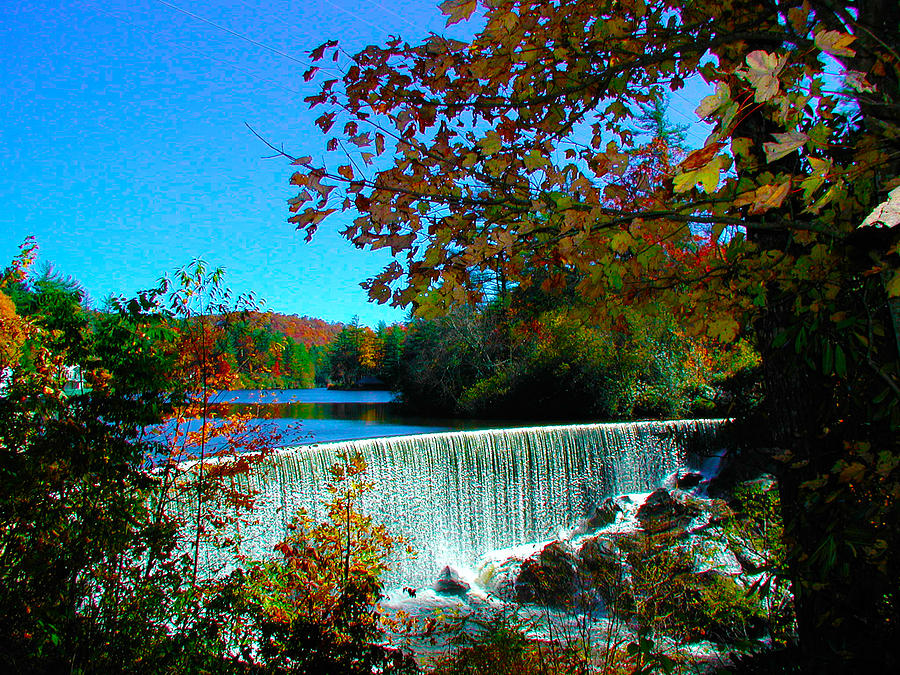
[{"x": 516, "y": 152}]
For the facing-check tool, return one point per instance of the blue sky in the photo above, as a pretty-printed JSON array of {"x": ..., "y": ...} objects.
[{"x": 124, "y": 150}]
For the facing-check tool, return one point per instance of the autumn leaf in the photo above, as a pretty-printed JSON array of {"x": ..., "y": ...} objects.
[
  {"x": 534, "y": 160},
  {"x": 887, "y": 213},
  {"x": 725, "y": 329},
  {"x": 310, "y": 217},
  {"x": 784, "y": 145},
  {"x": 852, "y": 471},
  {"x": 893, "y": 286},
  {"x": 835, "y": 43},
  {"x": 346, "y": 172},
  {"x": 770, "y": 197},
  {"x": 490, "y": 144},
  {"x": 457, "y": 10},
  {"x": 856, "y": 80},
  {"x": 762, "y": 71},
  {"x": 708, "y": 176},
  {"x": 700, "y": 157},
  {"x": 715, "y": 101}
]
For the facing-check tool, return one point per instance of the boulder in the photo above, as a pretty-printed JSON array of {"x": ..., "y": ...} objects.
[
  {"x": 599, "y": 517},
  {"x": 662, "y": 513},
  {"x": 549, "y": 577},
  {"x": 602, "y": 567},
  {"x": 450, "y": 583},
  {"x": 687, "y": 480}
]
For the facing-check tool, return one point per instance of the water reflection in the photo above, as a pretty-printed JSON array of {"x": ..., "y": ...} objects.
[{"x": 327, "y": 415}]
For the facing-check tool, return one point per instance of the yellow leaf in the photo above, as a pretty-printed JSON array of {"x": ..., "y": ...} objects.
[
  {"x": 715, "y": 101},
  {"x": 707, "y": 175},
  {"x": 784, "y": 145},
  {"x": 770, "y": 197},
  {"x": 835, "y": 43}
]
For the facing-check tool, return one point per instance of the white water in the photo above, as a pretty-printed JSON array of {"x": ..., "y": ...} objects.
[{"x": 456, "y": 495}]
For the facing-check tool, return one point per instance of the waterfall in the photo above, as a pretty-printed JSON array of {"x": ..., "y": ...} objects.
[{"x": 454, "y": 496}]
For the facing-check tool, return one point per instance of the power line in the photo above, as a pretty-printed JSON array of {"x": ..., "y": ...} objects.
[
  {"x": 202, "y": 54},
  {"x": 390, "y": 11},
  {"x": 236, "y": 34},
  {"x": 356, "y": 16}
]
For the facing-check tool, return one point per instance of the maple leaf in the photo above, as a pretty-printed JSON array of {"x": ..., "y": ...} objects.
[
  {"x": 700, "y": 157},
  {"x": 310, "y": 217},
  {"x": 887, "y": 213},
  {"x": 491, "y": 143},
  {"x": 762, "y": 71},
  {"x": 715, "y": 101},
  {"x": 457, "y": 10},
  {"x": 856, "y": 80},
  {"x": 770, "y": 197},
  {"x": 707, "y": 175},
  {"x": 784, "y": 145},
  {"x": 835, "y": 43},
  {"x": 725, "y": 329}
]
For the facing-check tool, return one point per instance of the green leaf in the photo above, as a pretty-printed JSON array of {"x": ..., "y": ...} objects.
[
  {"x": 828, "y": 359},
  {"x": 840, "y": 361},
  {"x": 534, "y": 160}
]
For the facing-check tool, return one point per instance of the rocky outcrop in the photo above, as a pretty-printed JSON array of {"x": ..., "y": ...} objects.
[
  {"x": 450, "y": 583},
  {"x": 549, "y": 577},
  {"x": 609, "y": 510},
  {"x": 661, "y": 512}
]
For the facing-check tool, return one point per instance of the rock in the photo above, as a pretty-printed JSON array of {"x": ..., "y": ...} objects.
[
  {"x": 662, "y": 513},
  {"x": 599, "y": 517},
  {"x": 687, "y": 480},
  {"x": 499, "y": 577},
  {"x": 450, "y": 583},
  {"x": 548, "y": 577},
  {"x": 602, "y": 567}
]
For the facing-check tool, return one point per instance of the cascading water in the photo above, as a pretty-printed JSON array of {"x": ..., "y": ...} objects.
[{"x": 454, "y": 496}]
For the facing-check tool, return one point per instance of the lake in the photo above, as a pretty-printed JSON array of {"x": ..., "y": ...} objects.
[{"x": 307, "y": 416}]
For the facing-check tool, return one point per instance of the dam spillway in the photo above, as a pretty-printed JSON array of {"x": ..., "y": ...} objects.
[{"x": 454, "y": 496}]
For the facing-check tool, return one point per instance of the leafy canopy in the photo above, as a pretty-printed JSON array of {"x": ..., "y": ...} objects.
[{"x": 517, "y": 149}]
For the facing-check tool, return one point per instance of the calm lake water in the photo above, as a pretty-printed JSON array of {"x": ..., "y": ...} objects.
[{"x": 323, "y": 415}]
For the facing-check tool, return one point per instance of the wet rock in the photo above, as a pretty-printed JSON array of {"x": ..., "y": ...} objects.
[
  {"x": 661, "y": 513},
  {"x": 687, "y": 480},
  {"x": 450, "y": 583},
  {"x": 549, "y": 577},
  {"x": 498, "y": 577},
  {"x": 602, "y": 566},
  {"x": 599, "y": 517}
]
